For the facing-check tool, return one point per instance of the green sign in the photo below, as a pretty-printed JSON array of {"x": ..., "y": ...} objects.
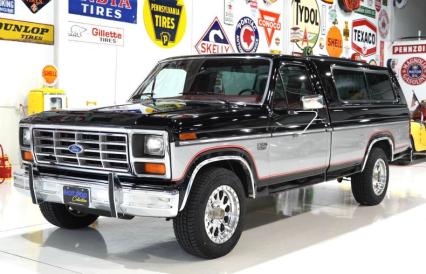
[{"x": 367, "y": 12}]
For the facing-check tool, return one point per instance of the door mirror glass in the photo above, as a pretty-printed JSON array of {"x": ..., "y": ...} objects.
[{"x": 311, "y": 102}]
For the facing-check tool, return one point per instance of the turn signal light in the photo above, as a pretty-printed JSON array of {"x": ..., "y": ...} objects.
[
  {"x": 187, "y": 136},
  {"x": 27, "y": 156},
  {"x": 155, "y": 168}
]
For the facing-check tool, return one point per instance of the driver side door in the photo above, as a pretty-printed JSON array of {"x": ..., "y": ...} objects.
[{"x": 297, "y": 153}]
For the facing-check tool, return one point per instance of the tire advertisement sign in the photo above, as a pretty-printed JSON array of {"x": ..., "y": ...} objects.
[
  {"x": 413, "y": 71},
  {"x": 165, "y": 21},
  {"x": 81, "y": 32},
  {"x": 22, "y": 31},
  {"x": 306, "y": 21},
  {"x": 116, "y": 10},
  {"x": 364, "y": 37}
]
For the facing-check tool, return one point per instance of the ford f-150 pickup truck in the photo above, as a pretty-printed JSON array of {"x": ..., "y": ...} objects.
[{"x": 202, "y": 134}]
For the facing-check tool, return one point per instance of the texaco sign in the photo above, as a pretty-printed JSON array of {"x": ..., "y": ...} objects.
[{"x": 364, "y": 37}]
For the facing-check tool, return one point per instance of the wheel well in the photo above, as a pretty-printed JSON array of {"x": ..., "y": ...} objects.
[
  {"x": 386, "y": 147},
  {"x": 236, "y": 167}
]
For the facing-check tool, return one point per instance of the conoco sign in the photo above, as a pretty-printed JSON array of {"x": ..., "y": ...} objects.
[
  {"x": 364, "y": 37},
  {"x": 349, "y": 5}
]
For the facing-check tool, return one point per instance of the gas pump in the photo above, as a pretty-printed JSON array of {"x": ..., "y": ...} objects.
[{"x": 48, "y": 97}]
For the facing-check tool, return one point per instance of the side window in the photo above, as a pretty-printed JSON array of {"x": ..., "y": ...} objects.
[
  {"x": 380, "y": 87},
  {"x": 295, "y": 84},
  {"x": 350, "y": 85}
]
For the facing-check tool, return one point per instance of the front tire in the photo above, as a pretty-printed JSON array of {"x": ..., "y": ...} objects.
[
  {"x": 369, "y": 187},
  {"x": 212, "y": 221},
  {"x": 65, "y": 216}
]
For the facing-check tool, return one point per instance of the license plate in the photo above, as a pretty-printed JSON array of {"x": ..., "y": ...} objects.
[{"x": 76, "y": 196}]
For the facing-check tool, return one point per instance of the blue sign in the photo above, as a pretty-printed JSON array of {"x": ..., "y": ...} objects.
[
  {"x": 246, "y": 35},
  {"x": 7, "y": 6},
  {"x": 116, "y": 10}
]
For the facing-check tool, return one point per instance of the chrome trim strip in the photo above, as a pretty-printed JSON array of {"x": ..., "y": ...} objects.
[
  {"x": 371, "y": 146},
  {"x": 369, "y": 125},
  {"x": 225, "y": 139},
  {"x": 248, "y": 137},
  {"x": 211, "y": 160},
  {"x": 299, "y": 133}
]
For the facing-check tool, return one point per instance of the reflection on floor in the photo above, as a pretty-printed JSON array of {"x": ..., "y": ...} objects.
[{"x": 304, "y": 230}]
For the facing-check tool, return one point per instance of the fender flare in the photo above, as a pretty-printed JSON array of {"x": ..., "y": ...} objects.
[
  {"x": 373, "y": 141},
  {"x": 200, "y": 165}
]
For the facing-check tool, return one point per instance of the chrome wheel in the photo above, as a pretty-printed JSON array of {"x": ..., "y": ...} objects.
[
  {"x": 379, "y": 177},
  {"x": 222, "y": 214}
]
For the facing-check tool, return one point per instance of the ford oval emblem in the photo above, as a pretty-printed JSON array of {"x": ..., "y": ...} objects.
[{"x": 76, "y": 149}]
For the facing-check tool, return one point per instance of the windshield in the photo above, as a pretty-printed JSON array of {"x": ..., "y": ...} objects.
[{"x": 231, "y": 79}]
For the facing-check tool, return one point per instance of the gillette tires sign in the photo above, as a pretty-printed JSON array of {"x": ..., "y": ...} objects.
[{"x": 364, "y": 37}]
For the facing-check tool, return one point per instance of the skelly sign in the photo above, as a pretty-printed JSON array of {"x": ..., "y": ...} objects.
[
  {"x": 306, "y": 18},
  {"x": 364, "y": 37},
  {"x": 22, "y": 31},
  {"x": 165, "y": 21}
]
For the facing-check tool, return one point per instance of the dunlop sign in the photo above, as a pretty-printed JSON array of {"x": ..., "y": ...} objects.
[{"x": 22, "y": 31}]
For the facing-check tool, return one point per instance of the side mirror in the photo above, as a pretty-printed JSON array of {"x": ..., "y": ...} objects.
[{"x": 311, "y": 102}]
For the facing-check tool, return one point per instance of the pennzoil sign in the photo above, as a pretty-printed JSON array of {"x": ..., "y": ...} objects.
[
  {"x": 364, "y": 37},
  {"x": 23, "y": 31}
]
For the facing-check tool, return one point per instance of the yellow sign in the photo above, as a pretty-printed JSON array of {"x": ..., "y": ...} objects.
[
  {"x": 50, "y": 74},
  {"x": 165, "y": 21},
  {"x": 23, "y": 31}
]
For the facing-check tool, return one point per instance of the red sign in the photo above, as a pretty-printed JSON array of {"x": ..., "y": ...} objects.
[
  {"x": 409, "y": 49},
  {"x": 382, "y": 53},
  {"x": 413, "y": 71},
  {"x": 270, "y": 23},
  {"x": 364, "y": 37},
  {"x": 349, "y": 5}
]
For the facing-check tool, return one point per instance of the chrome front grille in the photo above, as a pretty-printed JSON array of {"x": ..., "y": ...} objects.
[{"x": 101, "y": 150}]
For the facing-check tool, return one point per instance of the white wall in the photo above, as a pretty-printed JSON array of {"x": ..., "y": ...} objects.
[{"x": 20, "y": 71}]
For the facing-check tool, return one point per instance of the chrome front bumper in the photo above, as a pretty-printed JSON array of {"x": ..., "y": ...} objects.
[{"x": 108, "y": 196}]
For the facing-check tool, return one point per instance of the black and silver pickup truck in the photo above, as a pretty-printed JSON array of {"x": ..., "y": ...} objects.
[{"x": 202, "y": 134}]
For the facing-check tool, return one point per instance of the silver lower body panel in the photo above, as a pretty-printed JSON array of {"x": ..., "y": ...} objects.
[{"x": 114, "y": 199}]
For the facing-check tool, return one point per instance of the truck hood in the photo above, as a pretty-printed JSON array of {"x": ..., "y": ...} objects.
[{"x": 170, "y": 115}]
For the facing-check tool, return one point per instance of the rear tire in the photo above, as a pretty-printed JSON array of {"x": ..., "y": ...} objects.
[
  {"x": 212, "y": 221},
  {"x": 65, "y": 217},
  {"x": 369, "y": 187}
]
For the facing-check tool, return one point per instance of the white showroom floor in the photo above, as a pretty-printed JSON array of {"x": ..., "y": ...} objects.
[{"x": 319, "y": 229}]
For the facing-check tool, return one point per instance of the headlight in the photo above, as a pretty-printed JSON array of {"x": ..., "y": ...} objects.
[
  {"x": 26, "y": 137},
  {"x": 154, "y": 145}
]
